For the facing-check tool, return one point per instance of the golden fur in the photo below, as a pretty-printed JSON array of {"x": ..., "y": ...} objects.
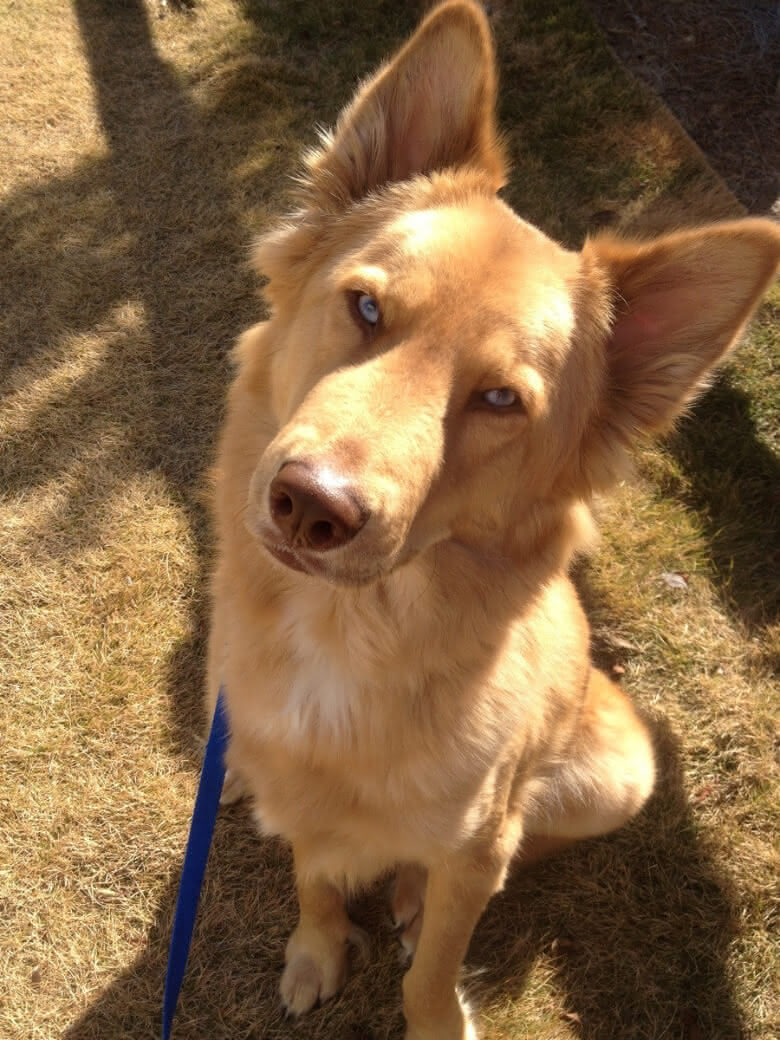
[{"x": 420, "y": 696}]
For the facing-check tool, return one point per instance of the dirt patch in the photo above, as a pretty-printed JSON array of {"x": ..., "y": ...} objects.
[{"x": 715, "y": 63}]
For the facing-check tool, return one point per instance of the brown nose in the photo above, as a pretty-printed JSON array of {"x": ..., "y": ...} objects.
[{"x": 311, "y": 512}]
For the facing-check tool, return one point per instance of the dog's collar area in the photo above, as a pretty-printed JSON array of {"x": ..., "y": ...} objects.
[{"x": 204, "y": 815}]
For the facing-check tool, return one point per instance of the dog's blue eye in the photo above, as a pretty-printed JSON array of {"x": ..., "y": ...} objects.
[
  {"x": 368, "y": 308},
  {"x": 500, "y": 398}
]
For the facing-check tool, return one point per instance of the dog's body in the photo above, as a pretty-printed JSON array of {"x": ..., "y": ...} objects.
[{"x": 403, "y": 478}]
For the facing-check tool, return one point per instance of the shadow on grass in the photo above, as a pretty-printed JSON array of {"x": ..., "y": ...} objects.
[
  {"x": 635, "y": 929},
  {"x": 169, "y": 184},
  {"x": 150, "y": 228},
  {"x": 731, "y": 481}
]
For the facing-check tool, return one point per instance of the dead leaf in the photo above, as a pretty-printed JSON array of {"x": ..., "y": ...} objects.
[
  {"x": 703, "y": 793},
  {"x": 614, "y": 641},
  {"x": 674, "y": 580}
]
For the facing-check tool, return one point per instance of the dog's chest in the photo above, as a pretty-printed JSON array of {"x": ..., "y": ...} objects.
[
  {"x": 322, "y": 691},
  {"x": 321, "y": 703},
  {"x": 349, "y": 735}
]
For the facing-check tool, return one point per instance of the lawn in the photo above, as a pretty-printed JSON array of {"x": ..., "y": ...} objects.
[{"x": 145, "y": 146}]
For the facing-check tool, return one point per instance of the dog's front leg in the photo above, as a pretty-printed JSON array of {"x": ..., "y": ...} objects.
[
  {"x": 456, "y": 894},
  {"x": 316, "y": 955}
]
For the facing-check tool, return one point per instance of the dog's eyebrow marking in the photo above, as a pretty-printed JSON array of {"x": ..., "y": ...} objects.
[
  {"x": 557, "y": 315},
  {"x": 533, "y": 391},
  {"x": 367, "y": 277},
  {"x": 418, "y": 227}
]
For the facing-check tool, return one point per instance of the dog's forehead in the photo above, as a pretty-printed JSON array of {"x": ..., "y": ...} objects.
[
  {"x": 479, "y": 259},
  {"x": 469, "y": 232}
]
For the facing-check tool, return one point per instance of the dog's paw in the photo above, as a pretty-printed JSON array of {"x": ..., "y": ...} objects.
[
  {"x": 305, "y": 982},
  {"x": 315, "y": 971},
  {"x": 407, "y": 904}
]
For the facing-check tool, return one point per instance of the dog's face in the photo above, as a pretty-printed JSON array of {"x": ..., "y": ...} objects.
[
  {"x": 443, "y": 370},
  {"x": 422, "y": 386}
]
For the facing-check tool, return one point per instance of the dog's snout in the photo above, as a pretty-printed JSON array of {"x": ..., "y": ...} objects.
[{"x": 314, "y": 510}]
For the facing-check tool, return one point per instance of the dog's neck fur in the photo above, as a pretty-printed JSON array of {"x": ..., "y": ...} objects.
[{"x": 505, "y": 585}]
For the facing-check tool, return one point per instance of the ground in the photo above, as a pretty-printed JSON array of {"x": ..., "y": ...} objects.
[
  {"x": 144, "y": 149},
  {"x": 716, "y": 63}
]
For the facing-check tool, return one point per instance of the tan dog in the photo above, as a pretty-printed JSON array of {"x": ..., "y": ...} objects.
[{"x": 411, "y": 443}]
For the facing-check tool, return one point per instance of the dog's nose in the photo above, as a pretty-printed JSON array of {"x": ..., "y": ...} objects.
[{"x": 312, "y": 510}]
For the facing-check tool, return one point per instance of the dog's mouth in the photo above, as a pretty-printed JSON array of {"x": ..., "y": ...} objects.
[
  {"x": 361, "y": 572},
  {"x": 301, "y": 562}
]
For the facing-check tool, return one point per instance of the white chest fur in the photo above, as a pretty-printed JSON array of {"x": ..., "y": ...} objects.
[
  {"x": 323, "y": 694},
  {"x": 325, "y": 676}
]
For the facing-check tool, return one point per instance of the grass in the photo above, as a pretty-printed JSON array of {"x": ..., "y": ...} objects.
[{"x": 143, "y": 154}]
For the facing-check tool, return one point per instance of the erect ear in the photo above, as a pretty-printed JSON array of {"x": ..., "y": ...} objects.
[
  {"x": 431, "y": 107},
  {"x": 680, "y": 302}
]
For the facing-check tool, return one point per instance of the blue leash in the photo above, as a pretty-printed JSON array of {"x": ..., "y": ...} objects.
[{"x": 198, "y": 844}]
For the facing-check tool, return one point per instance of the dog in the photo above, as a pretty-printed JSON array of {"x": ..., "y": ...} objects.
[{"x": 412, "y": 442}]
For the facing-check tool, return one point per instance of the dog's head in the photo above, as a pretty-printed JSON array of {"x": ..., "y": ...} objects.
[{"x": 440, "y": 369}]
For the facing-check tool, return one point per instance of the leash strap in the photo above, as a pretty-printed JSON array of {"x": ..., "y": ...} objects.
[{"x": 198, "y": 844}]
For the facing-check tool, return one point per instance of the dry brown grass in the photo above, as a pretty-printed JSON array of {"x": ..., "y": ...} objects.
[{"x": 142, "y": 153}]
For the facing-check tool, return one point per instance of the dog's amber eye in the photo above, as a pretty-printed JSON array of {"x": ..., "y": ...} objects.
[
  {"x": 501, "y": 398},
  {"x": 365, "y": 309}
]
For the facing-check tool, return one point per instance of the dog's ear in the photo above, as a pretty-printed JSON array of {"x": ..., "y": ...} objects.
[
  {"x": 679, "y": 303},
  {"x": 431, "y": 107}
]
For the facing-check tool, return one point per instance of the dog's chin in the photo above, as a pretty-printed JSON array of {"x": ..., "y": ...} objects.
[{"x": 324, "y": 568}]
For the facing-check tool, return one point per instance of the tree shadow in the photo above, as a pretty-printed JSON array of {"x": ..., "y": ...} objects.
[
  {"x": 167, "y": 182},
  {"x": 144, "y": 251}
]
